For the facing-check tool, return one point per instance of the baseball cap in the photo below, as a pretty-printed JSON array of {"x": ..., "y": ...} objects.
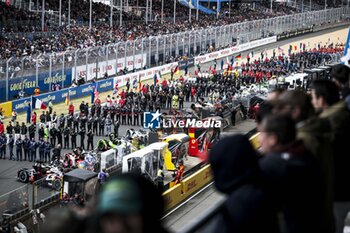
[{"x": 120, "y": 196}]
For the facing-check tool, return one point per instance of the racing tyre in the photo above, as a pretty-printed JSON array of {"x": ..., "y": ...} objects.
[
  {"x": 23, "y": 176},
  {"x": 57, "y": 185}
]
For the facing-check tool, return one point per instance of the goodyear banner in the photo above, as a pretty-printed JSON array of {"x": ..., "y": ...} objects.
[
  {"x": 28, "y": 83},
  {"x": 60, "y": 96},
  {"x": 6, "y": 108}
]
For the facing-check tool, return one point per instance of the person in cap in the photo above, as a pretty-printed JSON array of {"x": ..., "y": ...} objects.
[{"x": 129, "y": 203}]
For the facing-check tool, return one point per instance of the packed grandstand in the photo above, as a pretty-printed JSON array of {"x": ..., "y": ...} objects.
[{"x": 115, "y": 115}]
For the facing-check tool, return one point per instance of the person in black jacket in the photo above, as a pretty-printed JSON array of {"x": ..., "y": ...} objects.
[
  {"x": 59, "y": 134},
  {"x": 41, "y": 149},
  {"x": 2, "y": 146},
  {"x": 24, "y": 130},
  {"x": 76, "y": 122},
  {"x": 53, "y": 133},
  {"x": 19, "y": 154},
  {"x": 11, "y": 144},
  {"x": 9, "y": 128},
  {"x": 101, "y": 126},
  {"x": 248, "y": 206},
  {"x": 42, "y": 118},
  {"x": 73, "y": 135},
  {"x": 32, "y": 148},
  {"x": 66, "y": 137},
  {"x": 41, "y": 131},
  {"x": 26, "y": 151},
  {"x": 95, "y": 124},
  {"x": 90, "y": 140},
  {"x": 286, "y": 169},
  {"x": 32, "y": 130},
  {"x": 82, "y": 137}
]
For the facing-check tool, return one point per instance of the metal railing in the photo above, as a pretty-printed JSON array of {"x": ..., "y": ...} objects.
[{"x": 156, "y": 50}]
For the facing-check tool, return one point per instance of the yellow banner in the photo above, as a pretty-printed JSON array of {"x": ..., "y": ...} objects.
[{"x": 6, "y": 108}]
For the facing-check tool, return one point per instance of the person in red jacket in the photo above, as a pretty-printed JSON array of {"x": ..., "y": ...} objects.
[
  {"x": 2, "y": 128},
  {"x": 71, "y": 108},
  {"x": 33, "y": 118}
]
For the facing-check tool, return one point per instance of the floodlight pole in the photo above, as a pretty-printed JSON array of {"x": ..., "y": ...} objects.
[
  {"x": 90, "y": 15},
  {"x": 121, "y": 14},
  {"x": 162, "y": 20},
  {"x": 69, "y": 13},
  {"x": 271, "y": 6},
  {"x": 111, "y": 16},
  {"x": 197, "y": 11},
  {"x": 189, "y": 11},
  {"x": 146, "y": 11},
  {"x": 60, "y": 14},
  {"x": 175, "y": 11},
  {"x": 217, "y": 9},
  {"x": 43, "y": 15},
  {"x": 229, "y": 9}
]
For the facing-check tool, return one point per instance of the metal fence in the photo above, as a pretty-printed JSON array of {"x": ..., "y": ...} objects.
[{"x": 158, "y": 49}]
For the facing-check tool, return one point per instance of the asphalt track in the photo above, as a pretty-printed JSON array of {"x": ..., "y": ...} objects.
[{"x": 8, "y": 169}]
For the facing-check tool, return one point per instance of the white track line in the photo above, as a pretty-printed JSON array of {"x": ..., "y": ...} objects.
[{"x": 187, "y": 200}]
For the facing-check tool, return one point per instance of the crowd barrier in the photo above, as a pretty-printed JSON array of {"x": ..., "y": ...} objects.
[
  {"x": 45, "y": 81},
  {"x": 144, "y": 74},
  {"x": 193, "y": 183},
  {"x": 111, "y": 67},
  {"x": 29, "y": 83},
  {"x": 234, "y": 50}
]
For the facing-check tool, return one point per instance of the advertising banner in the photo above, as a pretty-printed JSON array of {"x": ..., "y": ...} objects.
[
  {"x": 236, "y": 49},
  {"x": 98, "y": 70},
  {"x": 144, "y": 74},
  {"x": 28, "y": 83}
]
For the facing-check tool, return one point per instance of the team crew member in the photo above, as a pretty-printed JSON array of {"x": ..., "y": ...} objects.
[
  {"x": 66, "y": 137},
  {"x": 82, "y": 137},
  {"x": 2, "y": 146},
  {"x": 19, "y": 154},
  {"x": 48, "y": 148},
  {"x": 73, "y": 135},
  {"x": 108, "y": 125},
  {"x": 94, "y": 124},
  {"x": 101, "y": 126},
  {"x": 32, "y": 131},
  {"x": 32, "y": 148},
  {"x": 41, "y": 149},
  {"x": 11, "y": 144},
  {"x": 26, "y": 142},
  {"x": 90, "y": 140},
  {"x": 24, "y": 130}
]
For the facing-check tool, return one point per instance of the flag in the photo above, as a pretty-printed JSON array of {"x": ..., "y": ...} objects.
[
  {"x": 140, "y": 85},
  {"x": 280, "y": 50},
  {"x": 67, "y": 98},
  {"x": 96, "y": 92},
  {"x": 37, "y": 104},
  {"x": 176, "y": 70},
  {"x": 155, "y": 79},
  {"x": 295, "y": 47},
  {"x": 159, "y": 76},
  {"x": 239, "y": 57}
]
